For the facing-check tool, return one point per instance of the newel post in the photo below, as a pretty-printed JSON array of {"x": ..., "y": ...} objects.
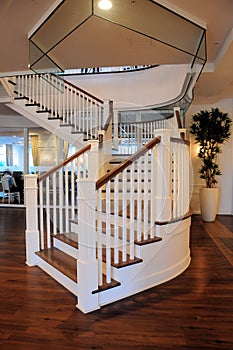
[
  {"x": 162, "y": 176},
  {"x": 31, "y": 232},
  {"x": 87, "y": 264}
]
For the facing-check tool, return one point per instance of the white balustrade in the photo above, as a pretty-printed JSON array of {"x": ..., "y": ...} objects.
[
  {"x": 180, "y": 177},
  {"x": 58, "y": 198},
  {"x": 124, "y": 212},
  {"x": 132, "y": 136},
  {"x": 73, "y": 106}
]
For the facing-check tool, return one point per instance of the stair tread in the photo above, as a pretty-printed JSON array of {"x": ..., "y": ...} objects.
[
  {"x": 121, "y": 263},
  {"x": 12, "y": 82},
  {"x": 106, "y": 285},
  {"x": 61, "y": 261},
  {"x": 68, "y": 266},
  {"x": 148, "y": 241},
  {"x": 136, "y": 241},
  {"x": 69, "y": 238}
]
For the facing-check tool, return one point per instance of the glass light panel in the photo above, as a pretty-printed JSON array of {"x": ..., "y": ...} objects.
[{"x": 155, "y": 21}]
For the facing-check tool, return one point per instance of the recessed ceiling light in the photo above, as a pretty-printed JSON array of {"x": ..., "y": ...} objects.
[{"x": 105, "y": 4}]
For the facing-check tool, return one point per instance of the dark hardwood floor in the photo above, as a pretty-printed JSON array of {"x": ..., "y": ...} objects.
[{"x": 193, "y": 311}]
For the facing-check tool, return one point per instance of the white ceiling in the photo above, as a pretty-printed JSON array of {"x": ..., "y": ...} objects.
[{"x": 18, "y": 18}]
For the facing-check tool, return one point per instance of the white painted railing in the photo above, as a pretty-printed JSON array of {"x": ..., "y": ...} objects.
[
  {"x": 129, "y": 136},
  {"x": 180, "y": 177},
  {"x": 125, "y": 210},
  {"x": 57, "y": 196},
  {"x": 62, "y": 100},
  {"x": 132, "y": 136}
]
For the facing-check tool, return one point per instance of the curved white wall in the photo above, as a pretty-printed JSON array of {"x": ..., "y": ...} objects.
[{"x": 135, "y": 89}]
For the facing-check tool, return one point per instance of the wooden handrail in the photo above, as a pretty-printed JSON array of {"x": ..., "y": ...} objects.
[
  {"x": 178, "y": 119},
  {"x": 114, "y": 172},
  {"x": 177, "y": 140},
  {"x": 146, "y": 121},
  {"x": 64, "y": 162}
]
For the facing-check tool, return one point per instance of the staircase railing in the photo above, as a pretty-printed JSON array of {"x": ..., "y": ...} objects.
[
  {"x": 129, "y": 214},
  {"x": 62, "y": 100},
  {"x": 130, "y": 136},
  {"x": 133, "y": 135},
  {"x": 52, "y": 198},
  {"x": 180, "y": 163}
]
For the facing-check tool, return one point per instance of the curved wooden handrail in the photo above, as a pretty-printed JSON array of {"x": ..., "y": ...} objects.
[
  {"x": 114, "y": 172},
  {"x": 64, "y": 162},
  {"x": 178, "y": 118},
  {"x": 177, "y": 140}
]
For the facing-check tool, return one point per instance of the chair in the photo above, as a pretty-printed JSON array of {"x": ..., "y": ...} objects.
[{"x": 6, "y": 193}]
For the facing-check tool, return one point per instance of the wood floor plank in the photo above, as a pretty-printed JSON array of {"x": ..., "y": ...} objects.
[{"x": 191, "y": 312}]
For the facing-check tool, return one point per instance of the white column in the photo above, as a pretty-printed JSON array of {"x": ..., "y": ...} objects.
[
  {"x": 161, "y": 174},
  {"x": 87, "y": 264},
  {"x": 31, "y": 233}
]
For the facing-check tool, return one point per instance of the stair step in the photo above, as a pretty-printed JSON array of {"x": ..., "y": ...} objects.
[
  {"x": 68, "y": 266},
  {"x": 106, "y": 285},
  {"x": 60, "y": 261},
  {"x": 44, "y": 111},
  {"x": 69, "y": 238},
  {"x": 128, "y": 191},
  {"x": 143, "y": 241},
  {"x": 31, "y": 104},
  {"x": 20, "y": 97},
  {"x": 54, "y": 118},
  {"x": 12, "y": 82},
  {"x": 148, "y": 241},
  {"x": 121, "y": 263}
]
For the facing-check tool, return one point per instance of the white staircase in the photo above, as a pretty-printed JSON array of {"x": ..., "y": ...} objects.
[{"x": 104, "y": 230}]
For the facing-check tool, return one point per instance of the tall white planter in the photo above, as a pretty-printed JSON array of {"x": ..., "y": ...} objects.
[{"x": 209, "y": 203}]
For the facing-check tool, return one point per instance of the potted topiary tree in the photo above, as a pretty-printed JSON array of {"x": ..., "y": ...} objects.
[{"x": 210, "y": 129}]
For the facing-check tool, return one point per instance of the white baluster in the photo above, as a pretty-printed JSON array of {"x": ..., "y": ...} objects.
[
  {"x": 145, "y": 199},
  {"x": 132, "y": 201},
  {"x": 47, "y": 208},
  {"x": 116, "y": 217},
  {"x": 99, "y": 237},
  {"x": 108, "y": 234},
  {"x": 54, "y": 203}
]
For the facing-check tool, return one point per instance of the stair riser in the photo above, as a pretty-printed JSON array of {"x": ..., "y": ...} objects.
[
  {"x": 66, "y": 248},
  {"x": 58, "y": 276},
  {"x": 74, "y": 227}
]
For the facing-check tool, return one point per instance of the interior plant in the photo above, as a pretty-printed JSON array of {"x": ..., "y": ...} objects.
[{"x": 210, "y": 128}]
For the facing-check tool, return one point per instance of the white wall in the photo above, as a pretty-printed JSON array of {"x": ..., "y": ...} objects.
[{"x": 225, "y": 182}]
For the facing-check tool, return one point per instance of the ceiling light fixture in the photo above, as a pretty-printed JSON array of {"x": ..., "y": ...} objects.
[{"x": 105, "y": 4}]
